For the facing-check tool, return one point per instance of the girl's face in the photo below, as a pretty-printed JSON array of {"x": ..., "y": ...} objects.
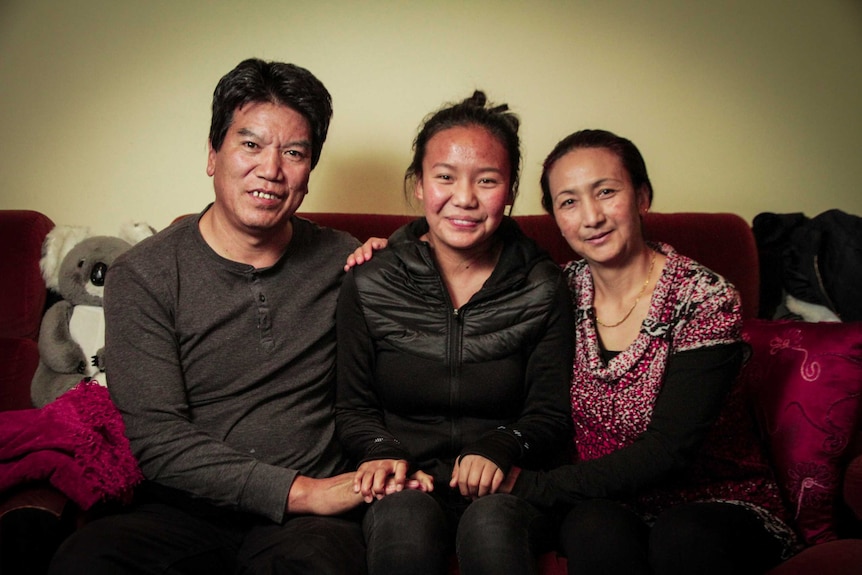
[
  {"x": 596, "y": 207},
  {"x": 464, "y": 187}
]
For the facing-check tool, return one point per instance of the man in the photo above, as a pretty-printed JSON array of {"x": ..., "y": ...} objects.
[{"x": 220, "y": 343}]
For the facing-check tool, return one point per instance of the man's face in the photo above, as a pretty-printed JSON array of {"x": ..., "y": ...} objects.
[{"x": 260, "y": 174}]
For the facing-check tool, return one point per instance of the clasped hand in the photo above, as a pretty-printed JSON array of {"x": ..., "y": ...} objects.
[
  {"x": 473, "y": 475},
  {"x": 380, "y": 477}
]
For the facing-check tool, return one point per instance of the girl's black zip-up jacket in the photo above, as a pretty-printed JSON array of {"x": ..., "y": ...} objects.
[{"x": 421, "y": 381}]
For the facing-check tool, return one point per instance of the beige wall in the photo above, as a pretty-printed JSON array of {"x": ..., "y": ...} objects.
[{"x": 743, "y": 106}]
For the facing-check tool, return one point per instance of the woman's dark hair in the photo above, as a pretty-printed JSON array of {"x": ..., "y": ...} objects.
[
  {"x": 624, "y": 149},
  {"x": 473, "y": 111},
  {"x": 254, "y": 80}
]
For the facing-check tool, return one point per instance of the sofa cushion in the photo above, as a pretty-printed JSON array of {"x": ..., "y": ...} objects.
[
  {"x": 833, "y": 558},
  {"x": 852, "y": 490},
  {"x": 805, "y": 381}
]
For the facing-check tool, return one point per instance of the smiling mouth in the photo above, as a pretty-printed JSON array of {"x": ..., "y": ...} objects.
[
  {"x": 596, "y": 237},
  {"x": 463, "y": 221},
  {"x": 264, "y": 195}
]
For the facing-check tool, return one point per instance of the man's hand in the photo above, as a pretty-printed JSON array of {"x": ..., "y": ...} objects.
[
  {"x": 330, "y": 496},
  {"x": 475, "y": 476},
  {"x": 364, "y": 252}
]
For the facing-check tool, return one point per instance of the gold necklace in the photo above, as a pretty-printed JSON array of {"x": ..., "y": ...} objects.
[{"x": 637, "y": 299}]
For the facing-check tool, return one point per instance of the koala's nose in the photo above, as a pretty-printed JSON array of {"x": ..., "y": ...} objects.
[{"x": 97, "y": 274}]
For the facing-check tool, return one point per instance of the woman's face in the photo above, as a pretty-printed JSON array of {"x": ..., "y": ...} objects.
[
  {"x": 596, "y": 207},
  {"x": 464, "y": 187}
]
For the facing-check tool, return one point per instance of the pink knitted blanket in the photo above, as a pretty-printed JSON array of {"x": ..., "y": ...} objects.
[{"x": 77, "y": 443}]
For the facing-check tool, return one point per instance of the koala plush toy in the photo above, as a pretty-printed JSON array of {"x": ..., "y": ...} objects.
[{"x": 72, "y": 337}]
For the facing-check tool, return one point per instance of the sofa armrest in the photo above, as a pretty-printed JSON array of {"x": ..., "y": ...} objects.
[
  {"x": 22, "y": 296},
  {"x": 20, "y": 357},
  {"x": 39, "y": 496},
  {"x": 34, "y": 520}
]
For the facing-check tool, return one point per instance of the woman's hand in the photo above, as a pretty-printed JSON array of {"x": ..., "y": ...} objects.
[
  {"x": 475, "y": 476},
  {"x": 509, "y": 483},
  {"x": 420, "y": 481},
  {"x": 364, "y": 252}
]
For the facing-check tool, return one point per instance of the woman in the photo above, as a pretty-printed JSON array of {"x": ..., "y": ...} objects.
[
  {"x": 658, "y": 485},
  {"x": 454, "y": 359}
]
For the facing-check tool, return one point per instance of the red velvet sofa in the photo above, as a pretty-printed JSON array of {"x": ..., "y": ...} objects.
[
  {"x": 804, "y": 384},
  {"x": 33, "y": 518}
]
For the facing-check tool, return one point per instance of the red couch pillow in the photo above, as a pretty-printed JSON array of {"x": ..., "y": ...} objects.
[{"x": 805, "y": 381}]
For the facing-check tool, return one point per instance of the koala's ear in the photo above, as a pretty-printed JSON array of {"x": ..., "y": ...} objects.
[
  {"x": 133, "y": 232},
  {"x": 58, "y": 243}
]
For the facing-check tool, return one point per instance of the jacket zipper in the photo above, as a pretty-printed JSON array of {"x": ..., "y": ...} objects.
[{"x": 453, "y": 344}]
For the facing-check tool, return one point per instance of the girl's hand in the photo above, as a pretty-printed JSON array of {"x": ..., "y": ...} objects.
[
  {"x": 375, "y": 478},
  {"x": 476, "y": 476},
  {"x": 364, "y": 252}
]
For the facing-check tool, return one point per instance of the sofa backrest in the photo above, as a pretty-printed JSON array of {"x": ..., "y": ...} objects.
[{"x": 723, "y": 242}]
